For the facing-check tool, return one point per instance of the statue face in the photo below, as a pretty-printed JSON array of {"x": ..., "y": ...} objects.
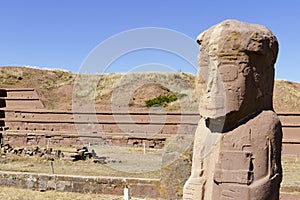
[
  {"x": 236, "y": 72},
  {"x": 230, "y": 89},
  {"x": 223, "y": 85}
]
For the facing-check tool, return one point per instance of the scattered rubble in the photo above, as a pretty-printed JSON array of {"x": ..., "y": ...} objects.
[{"x": 80, "y": 153}]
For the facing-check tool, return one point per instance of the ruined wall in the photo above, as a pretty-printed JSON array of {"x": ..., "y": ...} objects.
[
  {"x": 143, "y": 188},
  {"x": 43, "y": 139},
  {"x": 24, "y": 124}
]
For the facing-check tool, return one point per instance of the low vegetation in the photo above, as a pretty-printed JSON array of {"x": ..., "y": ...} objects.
[
  {"x": 56, "y": 89},
  {"x": 162, "y": 100}
]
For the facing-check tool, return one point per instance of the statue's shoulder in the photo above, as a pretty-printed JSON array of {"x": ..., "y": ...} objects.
[
  {"x": 269, "y": 116},
  {"x": 267, "y": 123}
]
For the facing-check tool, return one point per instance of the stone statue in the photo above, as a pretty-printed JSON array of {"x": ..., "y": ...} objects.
[{"x": 237, "y": 145}]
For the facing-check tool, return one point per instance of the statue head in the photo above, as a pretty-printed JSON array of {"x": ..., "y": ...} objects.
[{"x": 236, "y": 71}]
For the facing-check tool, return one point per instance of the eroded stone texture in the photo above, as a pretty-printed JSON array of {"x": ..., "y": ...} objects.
[{"x": 237, "y": 145}]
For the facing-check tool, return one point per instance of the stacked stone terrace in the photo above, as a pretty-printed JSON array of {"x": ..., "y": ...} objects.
[
  {"x": 25, "y": 121},
  {"x": 14, "y": 99},
  {"x": 20, "y": 98}
]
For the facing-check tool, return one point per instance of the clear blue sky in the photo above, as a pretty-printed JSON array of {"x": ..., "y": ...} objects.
[{"x": 61, "y": 33}]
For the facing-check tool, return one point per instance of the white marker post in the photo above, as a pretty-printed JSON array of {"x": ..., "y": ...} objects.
[{"x": 126, "y": 193}]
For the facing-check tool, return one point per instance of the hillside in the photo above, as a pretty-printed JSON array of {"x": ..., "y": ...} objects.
[
  {"x": 56, "y": 89},
  {"x": 286, "y": 96}
]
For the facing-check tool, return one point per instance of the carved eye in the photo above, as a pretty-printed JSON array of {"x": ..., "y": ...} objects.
[
  {"x": 228, "y": 72},
  {"x": 246, "y": 71},
  {"x": 256, "y": 77}
]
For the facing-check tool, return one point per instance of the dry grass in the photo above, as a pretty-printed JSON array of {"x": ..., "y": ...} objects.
[
  {"x": 133, "y": 164},
  {"x": 46, "y": 82},
  {"x": 291, "y": 175},
  {"x": 130, "y": 160},
  {"x": 9, "y": 193},
  {"x": 287, "y": 96},
  {"x": 56, "y": 88},
  {"x": 124, "y": 162}
]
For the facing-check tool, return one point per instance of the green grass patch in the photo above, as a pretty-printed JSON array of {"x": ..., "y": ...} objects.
[{"x": 163, "y": 100}]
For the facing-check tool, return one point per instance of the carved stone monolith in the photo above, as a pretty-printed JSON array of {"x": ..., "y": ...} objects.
[{"x": 237, "y": 145}]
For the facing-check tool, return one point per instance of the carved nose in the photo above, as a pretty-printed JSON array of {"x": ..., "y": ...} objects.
[{"x": 212, "y": 88}]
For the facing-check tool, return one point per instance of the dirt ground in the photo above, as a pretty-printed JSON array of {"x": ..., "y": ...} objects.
[{"x": 9, "y": 193}]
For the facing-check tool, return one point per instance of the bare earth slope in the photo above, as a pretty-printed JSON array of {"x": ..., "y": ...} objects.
[{"x": 56, "y": 88}]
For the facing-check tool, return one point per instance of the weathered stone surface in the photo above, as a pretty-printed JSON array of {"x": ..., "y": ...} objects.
[
  {"x": 176, "y": 164},
  {"x": 236, "y": 70},
  {"x": 237, "y": 145}
]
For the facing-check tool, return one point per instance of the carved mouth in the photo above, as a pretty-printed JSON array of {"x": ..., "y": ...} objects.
[
  {"x": 214, "y": 107},
  {"x": 212, "y": 112},
  {"x": 214, "y": 103}
]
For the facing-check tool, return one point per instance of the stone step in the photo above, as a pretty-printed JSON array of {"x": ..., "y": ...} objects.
[
  {"x": 107, "y": 128},
  {"x": 120, "y": 139},
  {"x": 20, "y": 98},
  {"x": 291, "y": 133},
  {"x": 288, "y": 148},
  {"x": 54, "y": 121},
  {"x": 116, "y": 135},
  {"x": 290, "y": 120}
]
